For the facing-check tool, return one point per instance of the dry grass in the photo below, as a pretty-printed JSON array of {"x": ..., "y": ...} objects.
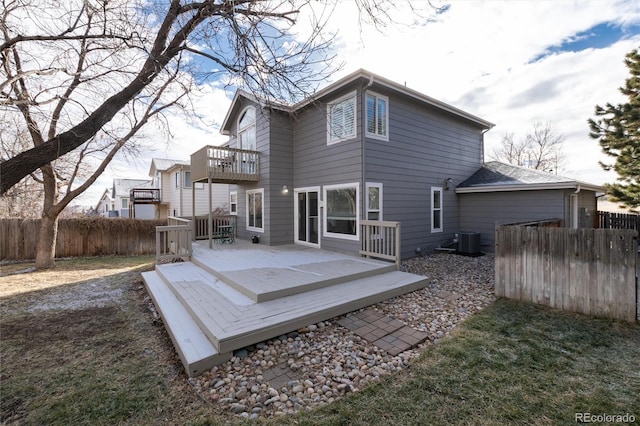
[{"x": 80, "y": 346}]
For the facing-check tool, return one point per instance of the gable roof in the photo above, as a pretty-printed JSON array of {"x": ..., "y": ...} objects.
[
  {"x": 496, "y": 176},
  {"x": 121, "y": 187},
  {"x": 367, "y": 78},
  {"x": 164, "y": 164}
]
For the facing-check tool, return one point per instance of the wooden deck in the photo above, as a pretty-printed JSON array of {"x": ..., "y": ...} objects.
[{"x": 232, "y": 296}]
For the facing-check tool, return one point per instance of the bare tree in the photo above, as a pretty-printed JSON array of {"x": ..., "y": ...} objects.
[
  {"x": 83, "y": 77},
  {"x": 540, "y": 149}
]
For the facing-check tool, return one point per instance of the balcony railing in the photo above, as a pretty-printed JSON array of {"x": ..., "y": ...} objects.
[
  {"x": 225, "y": 165},
  {"x": 145, "y": 195}
]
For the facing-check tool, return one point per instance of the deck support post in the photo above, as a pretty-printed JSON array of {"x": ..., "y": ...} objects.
[{"x": 210, "y": 223}]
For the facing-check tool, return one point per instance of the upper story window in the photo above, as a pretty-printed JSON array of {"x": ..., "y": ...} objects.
[
  {"x": 247, "y": 129},
  {"x": 125, "y": 203},
  {"x": 187, "y": 180},
  {"x": 377, "y": 116},
  {"x": 341, "y": 119},
  {"x": 177, "y": 179}
]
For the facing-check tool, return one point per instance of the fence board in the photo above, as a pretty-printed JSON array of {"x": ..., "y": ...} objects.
[
  {"x": 590, "y": 271},
  {"x": 79, "y": 237}
]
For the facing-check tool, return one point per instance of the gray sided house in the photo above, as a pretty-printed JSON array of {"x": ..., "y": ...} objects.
[
  {"x": 362, "y": 148},
  {"x": 500, "y": 193}
]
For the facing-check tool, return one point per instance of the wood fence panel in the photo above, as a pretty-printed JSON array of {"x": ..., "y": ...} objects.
[
  {"x": 590, "y": 271},
  {"x": 80, "y": 237}
]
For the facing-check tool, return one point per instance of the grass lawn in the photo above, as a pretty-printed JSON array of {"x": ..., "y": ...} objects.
[
  {"x": 514, "y": 363},
  {"x": 80, "y": 346}
]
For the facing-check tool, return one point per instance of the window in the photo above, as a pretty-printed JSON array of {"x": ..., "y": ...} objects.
[
  {"x": 374, "y": 201},
  {"x": 247, "y": 138},
  {"x": 177, "y": 179},
  {"x": 125, "y": 203},
  {"x": 254, "y": 210},
  {"x": 233, "y": 202},
  {"x": 187, "y": 180},
  {"x": 436, "y": 210},
  {"x": 377, "y": 116},
  {"x": 341, "y": 122},
  {"x": 341, "y": 211}
]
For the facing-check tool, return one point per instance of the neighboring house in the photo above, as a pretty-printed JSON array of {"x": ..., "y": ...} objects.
[
  {"x": 105, "y": 205},
  {"x": 173, "y": 179},
  {"x": 122, "y": 199},
  {"x": 500, "y": 193},
  {"x": 362, "y": 148}
]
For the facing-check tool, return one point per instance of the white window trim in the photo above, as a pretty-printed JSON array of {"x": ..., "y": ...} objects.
[
  {"x": 435, "y": 189},
  {"x": 231, "y": 203},
  {"x": 349, "y": 96},
  {"x": 247, "y": 127},
  {"x": 325, "y": 232},
  {"x": 186, "y": 181},
  {"x": 376, "y": 135},
  {"x": 296, "y": 225},
  {"x": 254, "y": 191},
  {"x": 177, "y": 179},
  {"x": 374, "y": 185}
]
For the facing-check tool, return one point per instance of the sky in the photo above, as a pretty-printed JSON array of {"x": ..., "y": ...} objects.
[{"x": 512, "y": 63}]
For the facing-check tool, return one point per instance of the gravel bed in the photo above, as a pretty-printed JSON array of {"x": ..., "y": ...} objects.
[{"x": 324, "y": 361}]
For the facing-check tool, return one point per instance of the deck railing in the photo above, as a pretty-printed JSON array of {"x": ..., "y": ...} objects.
[
  {"x": 222, "y": 224},
  {"x": 174, "y": 240},
  {"x": 222, "y": 164},
  {"x": 381, "y": 239}
]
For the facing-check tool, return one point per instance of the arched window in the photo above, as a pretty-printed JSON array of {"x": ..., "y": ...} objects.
[{"x": 247, "y": 129}]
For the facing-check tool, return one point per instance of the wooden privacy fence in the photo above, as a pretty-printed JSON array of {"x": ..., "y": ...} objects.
[
  {"x": 590, "y": 271},
  {"x": 611, "y": 220},
  {"x": 80, "y": 237}
]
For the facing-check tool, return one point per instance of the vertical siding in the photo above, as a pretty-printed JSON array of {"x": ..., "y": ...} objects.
[
  {"x": 481, "y": 212},
  {"x": 425, "y": 147}
]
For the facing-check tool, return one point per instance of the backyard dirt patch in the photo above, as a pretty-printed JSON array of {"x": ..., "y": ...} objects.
[{"x": 80, "y": 346}]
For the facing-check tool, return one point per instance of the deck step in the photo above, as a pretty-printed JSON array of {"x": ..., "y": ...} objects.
[
  {"x": 230, "y": 326},
  {"x": 195, "y": 350},
  {"x": 276, "y": 274}
]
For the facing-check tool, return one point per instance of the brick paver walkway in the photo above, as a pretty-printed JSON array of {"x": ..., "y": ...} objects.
[{"x": 384, "y": 332}]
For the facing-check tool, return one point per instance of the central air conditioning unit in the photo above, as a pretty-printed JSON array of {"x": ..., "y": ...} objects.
[{"x": 469, "y": 243}]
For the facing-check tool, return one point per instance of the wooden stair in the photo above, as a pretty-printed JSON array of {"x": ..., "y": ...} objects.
[{"x": 208, "y": 318}]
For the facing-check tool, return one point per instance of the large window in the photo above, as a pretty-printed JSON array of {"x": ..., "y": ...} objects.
[
  {"x": 254, "y": 210},
  {"x": 374, "y": 201},
  {"x": 341, "y": 119},
  {"x": 377, "y": 116},
  {"x": 247, "y": 138},
  {"x": 341, "y": 211},
  {"x": 436, "y": 210}
]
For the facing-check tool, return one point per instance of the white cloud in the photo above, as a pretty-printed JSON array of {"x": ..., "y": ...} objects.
[{"x": 478, "y": 56}]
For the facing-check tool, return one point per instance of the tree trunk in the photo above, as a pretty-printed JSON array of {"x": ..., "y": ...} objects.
[{"x": 47, "y": 236}]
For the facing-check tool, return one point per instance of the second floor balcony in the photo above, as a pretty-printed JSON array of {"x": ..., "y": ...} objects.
[
  {"x": 225, "y": 165},
  {"x": 144, "y": 195}
]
